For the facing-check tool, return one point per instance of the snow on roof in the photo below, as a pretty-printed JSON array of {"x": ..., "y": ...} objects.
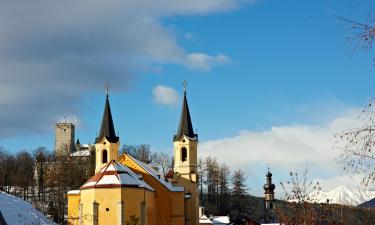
[
  {"x": 204, "y": 220},
  {"x": 18, "y": 212},
  {"x": 113, "y": 174},
  {"x": 73, "y": 192},
  {"x": 156, "y": 175},
  {"x": 220, "y": 220},
  {"x": 81, "y": 153}
]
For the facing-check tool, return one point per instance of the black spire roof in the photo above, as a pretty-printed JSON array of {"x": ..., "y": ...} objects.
[
  {"x": 107, "y": 129},
  {"x": 185, "y": 127}
]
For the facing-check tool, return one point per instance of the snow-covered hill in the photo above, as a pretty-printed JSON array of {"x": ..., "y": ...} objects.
[
  {"x": 368, "y": 204},
  {"x": 18, "y": 212},
  {"x": 344, "y": 196}
]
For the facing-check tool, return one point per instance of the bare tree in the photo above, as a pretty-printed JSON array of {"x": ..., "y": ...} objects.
[
  {"x": 141, "y": 152},
  {"x": 300, "y": 207},
  {"x": 238, "y": 194},
  {"x": 357, "y": 146},
  {"x": 162, "y": 161},
  {"x": 361, "y": 34}
]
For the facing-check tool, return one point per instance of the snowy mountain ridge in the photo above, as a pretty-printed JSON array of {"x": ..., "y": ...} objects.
[{"x": 343, "y": 195}]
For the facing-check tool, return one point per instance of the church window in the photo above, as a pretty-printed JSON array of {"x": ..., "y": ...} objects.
[
  {"x": 105, "y": 156},
  {"x": 183, "y": 154}
]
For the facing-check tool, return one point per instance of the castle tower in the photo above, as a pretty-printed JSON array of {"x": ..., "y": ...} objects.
[
  {"x": 107, "y": 143},
  {"x": 185, "y": 162},
  {"x": 269, "y": 191},
  {"x": 64, "y": 139}
]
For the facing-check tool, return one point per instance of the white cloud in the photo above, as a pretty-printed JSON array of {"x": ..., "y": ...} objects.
[
  {"x": 201, "y": 61},
  {"x": 165, "y": 95},
  {"x": 59, "y": 50},
  {"x": 285, "y": 148}
]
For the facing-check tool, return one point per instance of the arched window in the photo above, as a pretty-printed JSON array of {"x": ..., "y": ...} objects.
[
  {"x": 105, "y": 156},
  {"x": 183, "y": 154}
]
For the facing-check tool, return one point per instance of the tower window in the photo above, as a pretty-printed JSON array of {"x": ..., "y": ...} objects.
[
  {"x": 183, "y": 154},
  {"x": 105, "y": 156}
]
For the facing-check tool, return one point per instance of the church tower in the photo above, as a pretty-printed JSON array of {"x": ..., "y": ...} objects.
[
  {"x": 107, "y": 143},
  {"x": 185, "y": 163},
  {"x": 269, "y": 192}
]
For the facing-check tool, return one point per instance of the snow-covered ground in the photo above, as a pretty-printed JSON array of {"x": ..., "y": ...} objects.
[
  {"x": 344, "y": 195},
  {"x": 18, "y": 212}
]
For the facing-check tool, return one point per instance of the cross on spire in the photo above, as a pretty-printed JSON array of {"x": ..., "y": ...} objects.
[
  {"x": 107, "y": 86},
  {"x": 184, "y": 83}
]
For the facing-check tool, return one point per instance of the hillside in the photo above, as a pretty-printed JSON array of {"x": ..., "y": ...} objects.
[
  {"x": 15, "y": 211},
  {"x": 368, "y": 204},
  {"x": 349, "y": 214}
]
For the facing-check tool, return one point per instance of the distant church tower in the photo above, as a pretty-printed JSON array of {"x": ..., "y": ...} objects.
[
  {"x": 185, "y": 163},
  {"x": 269, "y": 192},
  {"x": 107, "y": 143},
  {"x": 64, "y": 139}
]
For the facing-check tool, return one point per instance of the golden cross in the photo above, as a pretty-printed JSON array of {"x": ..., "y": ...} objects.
[
  {"x": 184, "y": 83},
  {"x": 107, "y": 86}
]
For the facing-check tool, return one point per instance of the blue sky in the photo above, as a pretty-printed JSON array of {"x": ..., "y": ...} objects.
[{"x": 265, "y": 64}]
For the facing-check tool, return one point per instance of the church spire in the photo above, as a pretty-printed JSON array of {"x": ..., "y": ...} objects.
[
  {"x": 185, "y": 126},
  {"x": 107, "y": 129}
]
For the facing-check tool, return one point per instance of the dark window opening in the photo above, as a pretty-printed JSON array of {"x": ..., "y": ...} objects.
[
  {"x": 105, "y": 156},
  {"x": 107, "y": 209},
  {"x": 183, "y": 154}
]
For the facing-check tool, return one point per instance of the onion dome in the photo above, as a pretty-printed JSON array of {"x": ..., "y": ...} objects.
[{"x": 269, "y": 186}]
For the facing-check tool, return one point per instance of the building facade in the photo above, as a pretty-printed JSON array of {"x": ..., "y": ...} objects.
[{"x": 125, "y": 189}]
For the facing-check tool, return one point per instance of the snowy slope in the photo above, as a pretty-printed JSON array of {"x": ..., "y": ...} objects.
[
  {"x": 344, "y": 195},
  {"x": 368, "y": 204},
  {"x": 18, "y": 212}
]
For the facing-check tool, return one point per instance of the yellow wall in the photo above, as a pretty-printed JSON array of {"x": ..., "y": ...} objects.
[
  {"x": 169, "y": 205},
  {"x": 109, "y": 198},
  {"x": 185, "y": 167},
  {"x": 73, "y": 208},
  {"x": 186, "y": 176}
]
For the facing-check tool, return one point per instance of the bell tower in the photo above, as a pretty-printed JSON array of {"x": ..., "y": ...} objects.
[
  {"x": 185, "y": 162},
  {"x": 269, "y": 191},
  {"x": 107, "y": 143}
]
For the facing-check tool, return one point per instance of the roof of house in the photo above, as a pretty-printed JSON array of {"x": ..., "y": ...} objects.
[
  {"x": 156, "y": 175},
  {"x": 220, "y": 220},
  {"x": 204, "y": 220},
  {"x": 81, "y": 153},
  {"x": 114, "y": 174}
]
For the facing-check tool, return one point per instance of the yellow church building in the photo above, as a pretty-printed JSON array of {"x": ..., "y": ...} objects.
[{"x": 125, "y": 190}]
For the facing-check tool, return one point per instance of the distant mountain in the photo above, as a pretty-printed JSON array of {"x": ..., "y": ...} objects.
[
  {"x": 15, "y": 211},
  {"x": 344, "y": 196},
  {"x": 368, "y": 204}
]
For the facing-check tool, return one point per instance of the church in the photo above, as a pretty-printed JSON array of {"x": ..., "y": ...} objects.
[{"x": 125, "y": 190}]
